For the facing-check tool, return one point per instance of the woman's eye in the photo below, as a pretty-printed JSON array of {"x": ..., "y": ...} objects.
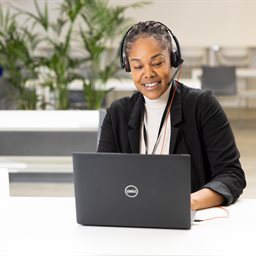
[
  {"x": 157, "y": 64},
  {"x": 137, "y": 67}
]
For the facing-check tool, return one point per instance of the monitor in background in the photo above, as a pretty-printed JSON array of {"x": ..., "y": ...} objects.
[{"x": 220, "y": 79}]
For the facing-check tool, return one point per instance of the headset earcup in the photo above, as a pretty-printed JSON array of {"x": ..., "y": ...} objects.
[
  {"x": 126, "y": 64},
  {"x": 175, "y": 59}
]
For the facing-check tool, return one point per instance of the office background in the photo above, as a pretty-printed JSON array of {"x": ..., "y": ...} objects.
[
  {"x": 197, "y": 23},
  {"x": 210, "y": 32}
]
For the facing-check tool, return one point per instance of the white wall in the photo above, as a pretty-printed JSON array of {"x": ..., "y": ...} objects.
[
  {"x": 204, "y": 22},
  {"x": 196, "y": 23}
]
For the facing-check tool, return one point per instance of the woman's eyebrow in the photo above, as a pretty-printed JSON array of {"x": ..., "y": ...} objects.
[
  {"x": 157, "y": 55},
  {"x": 134, "y": 59},
  {"x": 153, "y": 57}
]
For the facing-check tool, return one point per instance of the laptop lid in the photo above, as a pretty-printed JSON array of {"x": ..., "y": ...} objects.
[{"x": 132, "y": 190}]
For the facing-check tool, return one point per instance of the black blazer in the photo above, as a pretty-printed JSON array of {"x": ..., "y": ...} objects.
[{"x": 199, "y": 128}]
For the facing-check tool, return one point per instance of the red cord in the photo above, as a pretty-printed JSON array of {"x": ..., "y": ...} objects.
[
  {"x": 167, "y": 115},
  {"x": 217, "y": 217},
  {"x": 179, "y": 73},
  {"x": 169, "y": 110}
]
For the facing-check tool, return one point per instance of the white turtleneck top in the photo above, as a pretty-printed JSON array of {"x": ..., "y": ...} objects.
[{"x": 154, "y": 110}]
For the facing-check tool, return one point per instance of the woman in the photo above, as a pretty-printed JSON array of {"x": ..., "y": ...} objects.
[{"x": 167, "y": 117}]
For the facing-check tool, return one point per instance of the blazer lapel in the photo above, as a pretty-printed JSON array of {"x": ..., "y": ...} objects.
[
  {"x": 134, "y": 125},
  {"x": 176, "y": 117},
  {"x": 135, "y": 121}
]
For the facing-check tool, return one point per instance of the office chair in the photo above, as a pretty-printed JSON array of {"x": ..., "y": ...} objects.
[{"x": 220, "y": 79}]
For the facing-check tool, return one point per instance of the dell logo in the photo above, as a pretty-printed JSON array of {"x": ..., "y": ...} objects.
[{"x": 131, "y": 191}]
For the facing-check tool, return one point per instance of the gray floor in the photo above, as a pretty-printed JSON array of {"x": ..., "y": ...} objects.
[{"x": 244, "y": 127}]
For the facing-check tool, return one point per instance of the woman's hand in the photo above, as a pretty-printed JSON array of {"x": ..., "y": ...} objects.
[{"x": 205, "y": 198}]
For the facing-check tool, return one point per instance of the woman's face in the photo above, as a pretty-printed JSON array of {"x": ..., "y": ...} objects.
[{"x": 150, "y": 67}]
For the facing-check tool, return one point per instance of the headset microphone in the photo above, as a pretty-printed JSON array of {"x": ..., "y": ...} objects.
[
  {"x": 165, "y": 116},
  {"x": 176, "y": 71}
]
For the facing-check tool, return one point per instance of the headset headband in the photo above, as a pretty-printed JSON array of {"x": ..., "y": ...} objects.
[{"x": 175, "y": 57}]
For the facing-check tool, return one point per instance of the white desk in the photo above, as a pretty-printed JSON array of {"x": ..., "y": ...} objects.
[
  {"x": 37, "y": 164},
  {"x": 44, "y": 121},
  {"x": 51, "y": 120},
  {"x": 47, "y": 226}
]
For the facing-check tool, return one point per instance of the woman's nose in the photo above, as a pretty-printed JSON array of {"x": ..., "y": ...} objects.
[{"x": 149, "y": 72}]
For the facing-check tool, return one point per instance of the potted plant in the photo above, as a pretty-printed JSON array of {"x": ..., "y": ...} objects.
[
  {"x": 59, "y": 63},
  {"x": 93, "y": 25},
  {"x": 17, "y": 61},
  {"x": 89, "y": 27},
  {"x": 101, "y": 25}
]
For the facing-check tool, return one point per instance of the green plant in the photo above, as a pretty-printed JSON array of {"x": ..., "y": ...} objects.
[
  {"x": 92, "y": 24},
  {"x": 16, "y": 57},
  {"x": 101, "y": 25},
  {"x": 61, "y": 66}
]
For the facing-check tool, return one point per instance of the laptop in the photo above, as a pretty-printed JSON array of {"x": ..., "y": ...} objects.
[{"x": 132, "y": 190}]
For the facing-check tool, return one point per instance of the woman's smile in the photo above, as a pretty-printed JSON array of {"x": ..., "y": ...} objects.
[{"x": 150, "y": 67}]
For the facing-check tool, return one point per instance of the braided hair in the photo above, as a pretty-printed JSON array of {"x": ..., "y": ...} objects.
[{"x": 148, "y": 29}]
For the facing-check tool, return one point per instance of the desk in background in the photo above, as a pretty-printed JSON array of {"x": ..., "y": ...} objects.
[
  {"x": 47, "y": 226},
  {"x": 43, "y": 141}
]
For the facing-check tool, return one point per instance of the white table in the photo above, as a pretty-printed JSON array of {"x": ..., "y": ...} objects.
[
  {"x": 44, "y": 121},
  {"x": 47, "y": 226},
  {"x": 51, "y": 120},
  {"x": 37, "y": 164}
]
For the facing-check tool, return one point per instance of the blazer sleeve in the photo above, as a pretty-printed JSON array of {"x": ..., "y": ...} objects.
[
  {"x": 227, "y": 176},
  {"x": 107, "y": 137}
]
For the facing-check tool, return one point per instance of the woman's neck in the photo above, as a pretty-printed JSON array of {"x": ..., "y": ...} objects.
[{"x": 159, "y": 101}]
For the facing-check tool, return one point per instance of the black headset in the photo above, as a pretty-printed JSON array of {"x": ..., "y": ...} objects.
[{"x": 175, "y": 58}]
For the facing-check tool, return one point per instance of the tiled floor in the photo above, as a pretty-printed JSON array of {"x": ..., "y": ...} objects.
[{"x": 245, "y": 133}]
